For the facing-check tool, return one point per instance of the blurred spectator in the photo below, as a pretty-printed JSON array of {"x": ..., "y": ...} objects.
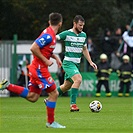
[
  {"x": 117, "y": 39},
  {"x": 125, "y": 75},
  {"x": 128, "y": 28},
  {"x": 128, "y": 42},
  {"x": 92, "y": 51},
  {"x": 115, "y": 61},
  {"x": 90, "y": 46},
  {"x": 107, "y": 44},
  {"x": 115, "y": 55},
  {"x": 103, "y": 73},
  {"x": 22, "y": 76}
]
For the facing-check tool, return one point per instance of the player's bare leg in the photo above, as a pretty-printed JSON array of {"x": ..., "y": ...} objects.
[
  {"x": 32, "y": 97},
  {"x": 64, "y": 87},
  {"x": 77, "y": 79},
  {"x": 21, "y": 91},
  {"x": 53, "y": 96}
]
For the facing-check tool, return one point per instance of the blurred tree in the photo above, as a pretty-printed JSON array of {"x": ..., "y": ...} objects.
[{"x": 28, "y": 18}]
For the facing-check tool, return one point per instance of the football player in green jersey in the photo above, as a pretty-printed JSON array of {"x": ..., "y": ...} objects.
[{"x": 75, "y": 47}]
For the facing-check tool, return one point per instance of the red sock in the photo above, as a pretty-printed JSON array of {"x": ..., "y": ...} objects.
[
  {"x": 22, "y": 91},
  {"x": 50, "y": 114},
  {"x": 15, "y": 88}
]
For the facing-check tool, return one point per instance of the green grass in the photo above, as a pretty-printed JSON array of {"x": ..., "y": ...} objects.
[{"x": 18, "y": 115}]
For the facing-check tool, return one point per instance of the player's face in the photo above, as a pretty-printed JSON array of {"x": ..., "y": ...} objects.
[
  {"x": 103, "y": 60},
  {"x": 79, "y": 26},
  {"x": 125, "y": 61}
]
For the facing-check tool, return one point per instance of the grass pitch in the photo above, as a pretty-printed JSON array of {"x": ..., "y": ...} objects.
[{"x": 18, "y": 115}]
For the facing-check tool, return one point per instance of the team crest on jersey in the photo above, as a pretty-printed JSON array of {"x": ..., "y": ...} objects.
[{"x": 50, "y": 79}]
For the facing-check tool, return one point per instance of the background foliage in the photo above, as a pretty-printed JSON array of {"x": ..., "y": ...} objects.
[{"x": 28, "y": 18}]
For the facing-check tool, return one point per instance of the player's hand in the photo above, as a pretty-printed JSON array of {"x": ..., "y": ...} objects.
[
  {"x": 93, "y": 65},
  {"x": 59, "y": 63},
  {"x": 49, "y": 63}
]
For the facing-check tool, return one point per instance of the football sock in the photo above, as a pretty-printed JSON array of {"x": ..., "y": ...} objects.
[
  {"x": 60, "y": 91},
  {"x": 50, "y": 107},
  {"x": 22, "y": 91},
  {"x": 73, "y": 95}
]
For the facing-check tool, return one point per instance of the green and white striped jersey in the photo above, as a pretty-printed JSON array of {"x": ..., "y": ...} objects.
[{"x": 74, "y": 44}]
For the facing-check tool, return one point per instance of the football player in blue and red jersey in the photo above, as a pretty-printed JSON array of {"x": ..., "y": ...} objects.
[{"x": 40, "y": 78}]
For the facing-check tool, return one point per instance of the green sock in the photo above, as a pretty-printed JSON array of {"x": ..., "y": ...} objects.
[
  {"x": 73, "y": 95},
  {"x": 60, "y": 91}
]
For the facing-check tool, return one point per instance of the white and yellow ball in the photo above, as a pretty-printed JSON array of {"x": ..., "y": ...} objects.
[{"x": 95, "y": 106}]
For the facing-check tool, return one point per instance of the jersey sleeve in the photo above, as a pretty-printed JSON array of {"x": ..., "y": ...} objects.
[
  {"x": 43, "y": 40},
  {"x": 62, "y": 35}
]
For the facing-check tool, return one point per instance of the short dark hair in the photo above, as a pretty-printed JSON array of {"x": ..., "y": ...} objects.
[
  {"x": 77, "y": 18},
  {"x": 55, "y": 18}
]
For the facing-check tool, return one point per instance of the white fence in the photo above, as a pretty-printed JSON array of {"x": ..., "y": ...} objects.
[
  {"x": 5, "y": 63},
  {"x": 22, "y": 47}
]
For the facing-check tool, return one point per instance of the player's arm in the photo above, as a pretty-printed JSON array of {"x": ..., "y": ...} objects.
[
  {"x": 87, "y": 56},
  {"x": 58, "y": 61},
  {"x": 36, "y": 51},
  {"x": 40, "y": 43},
  {"x": 62, "y": 35}
]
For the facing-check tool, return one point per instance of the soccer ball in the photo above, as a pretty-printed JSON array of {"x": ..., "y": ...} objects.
[{"x": 95, "y": 106}]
